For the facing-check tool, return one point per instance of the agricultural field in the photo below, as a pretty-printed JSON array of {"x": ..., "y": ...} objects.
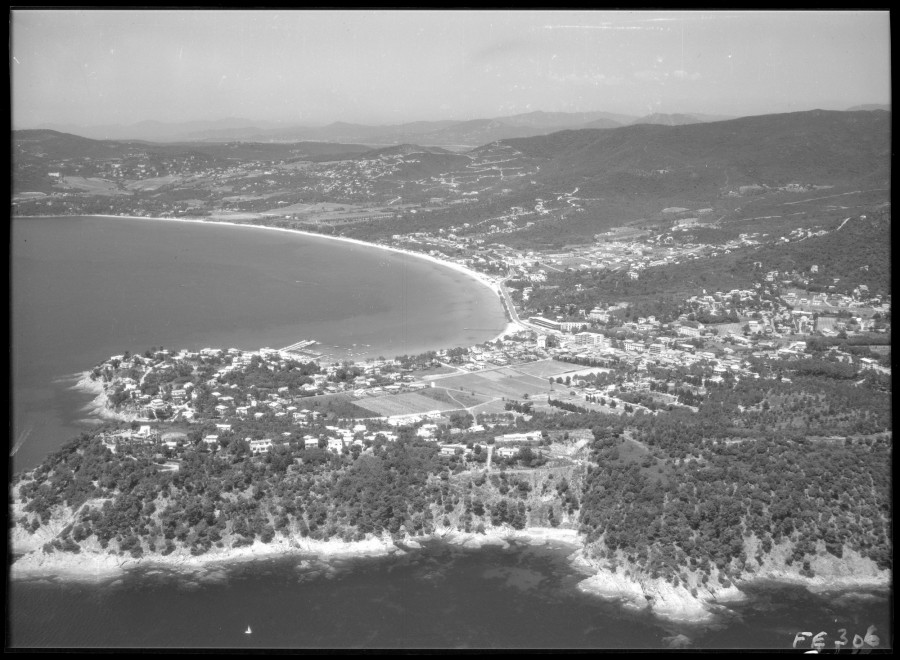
[
  {"x": 403, "y": 404},
  {"x": 426, "y": 374},
  {"x": 547, "y": 368},
  {"x": 454, "y": 397},
  {"x": 91, "y": 185},
  {"x": 504, "y": 383},
  {"x": 323, "y": 209},
  {"x": 153, "y": 183},
  {"x": 341, "y": 405}
]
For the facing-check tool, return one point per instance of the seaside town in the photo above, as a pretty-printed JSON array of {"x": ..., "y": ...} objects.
[{"x": 469, "y": 398}]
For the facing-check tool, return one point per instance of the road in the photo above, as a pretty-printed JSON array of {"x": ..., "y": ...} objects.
[{"x": 513, "y": 315}]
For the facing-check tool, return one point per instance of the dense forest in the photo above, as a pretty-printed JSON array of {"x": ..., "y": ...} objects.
[
  {"x": 232, "y": 497},
  {"x": 699, "y": 513}
]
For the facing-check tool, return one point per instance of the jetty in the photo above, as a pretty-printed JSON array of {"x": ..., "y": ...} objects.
[{"x": 300, "y": 345}]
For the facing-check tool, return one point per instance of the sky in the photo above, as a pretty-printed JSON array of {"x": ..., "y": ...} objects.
[{"x": 98, "y": 67}]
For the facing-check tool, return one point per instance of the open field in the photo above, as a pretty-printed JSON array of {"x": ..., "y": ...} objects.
[
  {"x": 453, "y": 397},
  {"x": 321, "y": 208},
  {"x": 339, "y": 404},
  {"x": 403, "y": 404},
  {"x": 547, "y": 368},
  {"x": 154, "y": 183},
  {"x": 491, "y": 406},
  {"x": 424, "y": 374},
  {"x": 497, "y": 383},
  {"x": 91, "y": 185}
]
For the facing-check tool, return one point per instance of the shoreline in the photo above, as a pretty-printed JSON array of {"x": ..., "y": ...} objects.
[
  {"x": 97, "y": 565},
  {"x": 221, "y": 220},
  {"x": 702, "y": 603},
  {"x": 98, "y": 406},
  {"x": 656, "y": 596}
]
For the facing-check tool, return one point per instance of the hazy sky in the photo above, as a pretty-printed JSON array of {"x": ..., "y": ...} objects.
[{"x": 120, "y": 67}]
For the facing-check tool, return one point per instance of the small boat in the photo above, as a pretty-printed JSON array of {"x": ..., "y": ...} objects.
[{"x": 248, "y": 631}]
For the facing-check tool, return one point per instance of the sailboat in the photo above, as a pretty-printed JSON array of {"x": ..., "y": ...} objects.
[{"x": 248, "y": 631}]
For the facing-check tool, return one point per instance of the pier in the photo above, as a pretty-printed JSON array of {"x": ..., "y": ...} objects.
[{"x": 303, "y": 343}]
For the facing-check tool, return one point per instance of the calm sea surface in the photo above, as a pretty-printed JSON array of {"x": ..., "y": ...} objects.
[
  {"x": 438, "y": 597},
  {"x": 87, "y": 288},
  {"x": 84, "y": 289}
]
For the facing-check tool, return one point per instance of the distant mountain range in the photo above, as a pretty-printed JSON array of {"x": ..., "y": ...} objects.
[
  {"x": 812, "y": 144},
  {"x": 157, "y": 131},
  {"x": 675, "y": 120},
  {"x": 447, "y": 133},
  {"x": 870, "y": 106},
  {"x": 618, "y": 174},
  {"x": 42, "y": 145}
]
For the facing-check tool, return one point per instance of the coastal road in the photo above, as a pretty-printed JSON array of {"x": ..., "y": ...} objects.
[{"x": 513, "y": 315}]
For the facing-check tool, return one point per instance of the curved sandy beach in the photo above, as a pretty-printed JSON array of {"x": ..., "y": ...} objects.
[{"x": 482, "y": 279}]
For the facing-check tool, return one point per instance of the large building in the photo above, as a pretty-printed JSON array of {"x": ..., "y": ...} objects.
[
  {"x": 689, "y": 331},
  {"x": 544, "y": 323},
  {"x": 598, "y": 314},
  {"x": 571, "y": 326},
  {"x": 589, "y": 339}
]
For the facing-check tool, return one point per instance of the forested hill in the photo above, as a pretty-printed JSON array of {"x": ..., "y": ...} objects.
[
  {"x": 723, "y": 510},
  {"x": 818, "y": 146},
  {"x": 684, "y": 497},
  {"x": 44, "y": 143}
]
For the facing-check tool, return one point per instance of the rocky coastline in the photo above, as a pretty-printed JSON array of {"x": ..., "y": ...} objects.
[
  {"x": 96, "y": 564},
  {"x": 698, "y": 601},
  {"x": 627, "y": 585}
]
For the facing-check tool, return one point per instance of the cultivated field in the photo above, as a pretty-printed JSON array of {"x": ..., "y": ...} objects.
[
  {"x": 91, "y": 185},
  {"x": 324, "y": 209},
  {"x": 497, "y": 383},
  {"x": 154, "y": 183},
  {"x": 547, "y": 368},
  {"x": 403, "y": 404},
  {"x": 456, "y": 398}
]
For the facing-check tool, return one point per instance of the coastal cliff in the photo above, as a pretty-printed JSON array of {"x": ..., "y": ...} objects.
[{"x": 696, "y": 599}]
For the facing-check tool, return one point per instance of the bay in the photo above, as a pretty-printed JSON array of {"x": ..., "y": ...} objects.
[{"x": 85, "y": 288}]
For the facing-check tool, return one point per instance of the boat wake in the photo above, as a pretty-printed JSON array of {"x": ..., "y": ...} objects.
[{"x": 20, "y": 440}]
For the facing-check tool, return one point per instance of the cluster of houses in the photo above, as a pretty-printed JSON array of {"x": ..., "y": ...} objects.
[
  {"x": 331, "y": 438},
  {"x": 175, "y": 396}
]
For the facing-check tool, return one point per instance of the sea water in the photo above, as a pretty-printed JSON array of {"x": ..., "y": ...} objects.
[
  {"x": 438, "y": 597},
  {"x": 86, "y": 288}
]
